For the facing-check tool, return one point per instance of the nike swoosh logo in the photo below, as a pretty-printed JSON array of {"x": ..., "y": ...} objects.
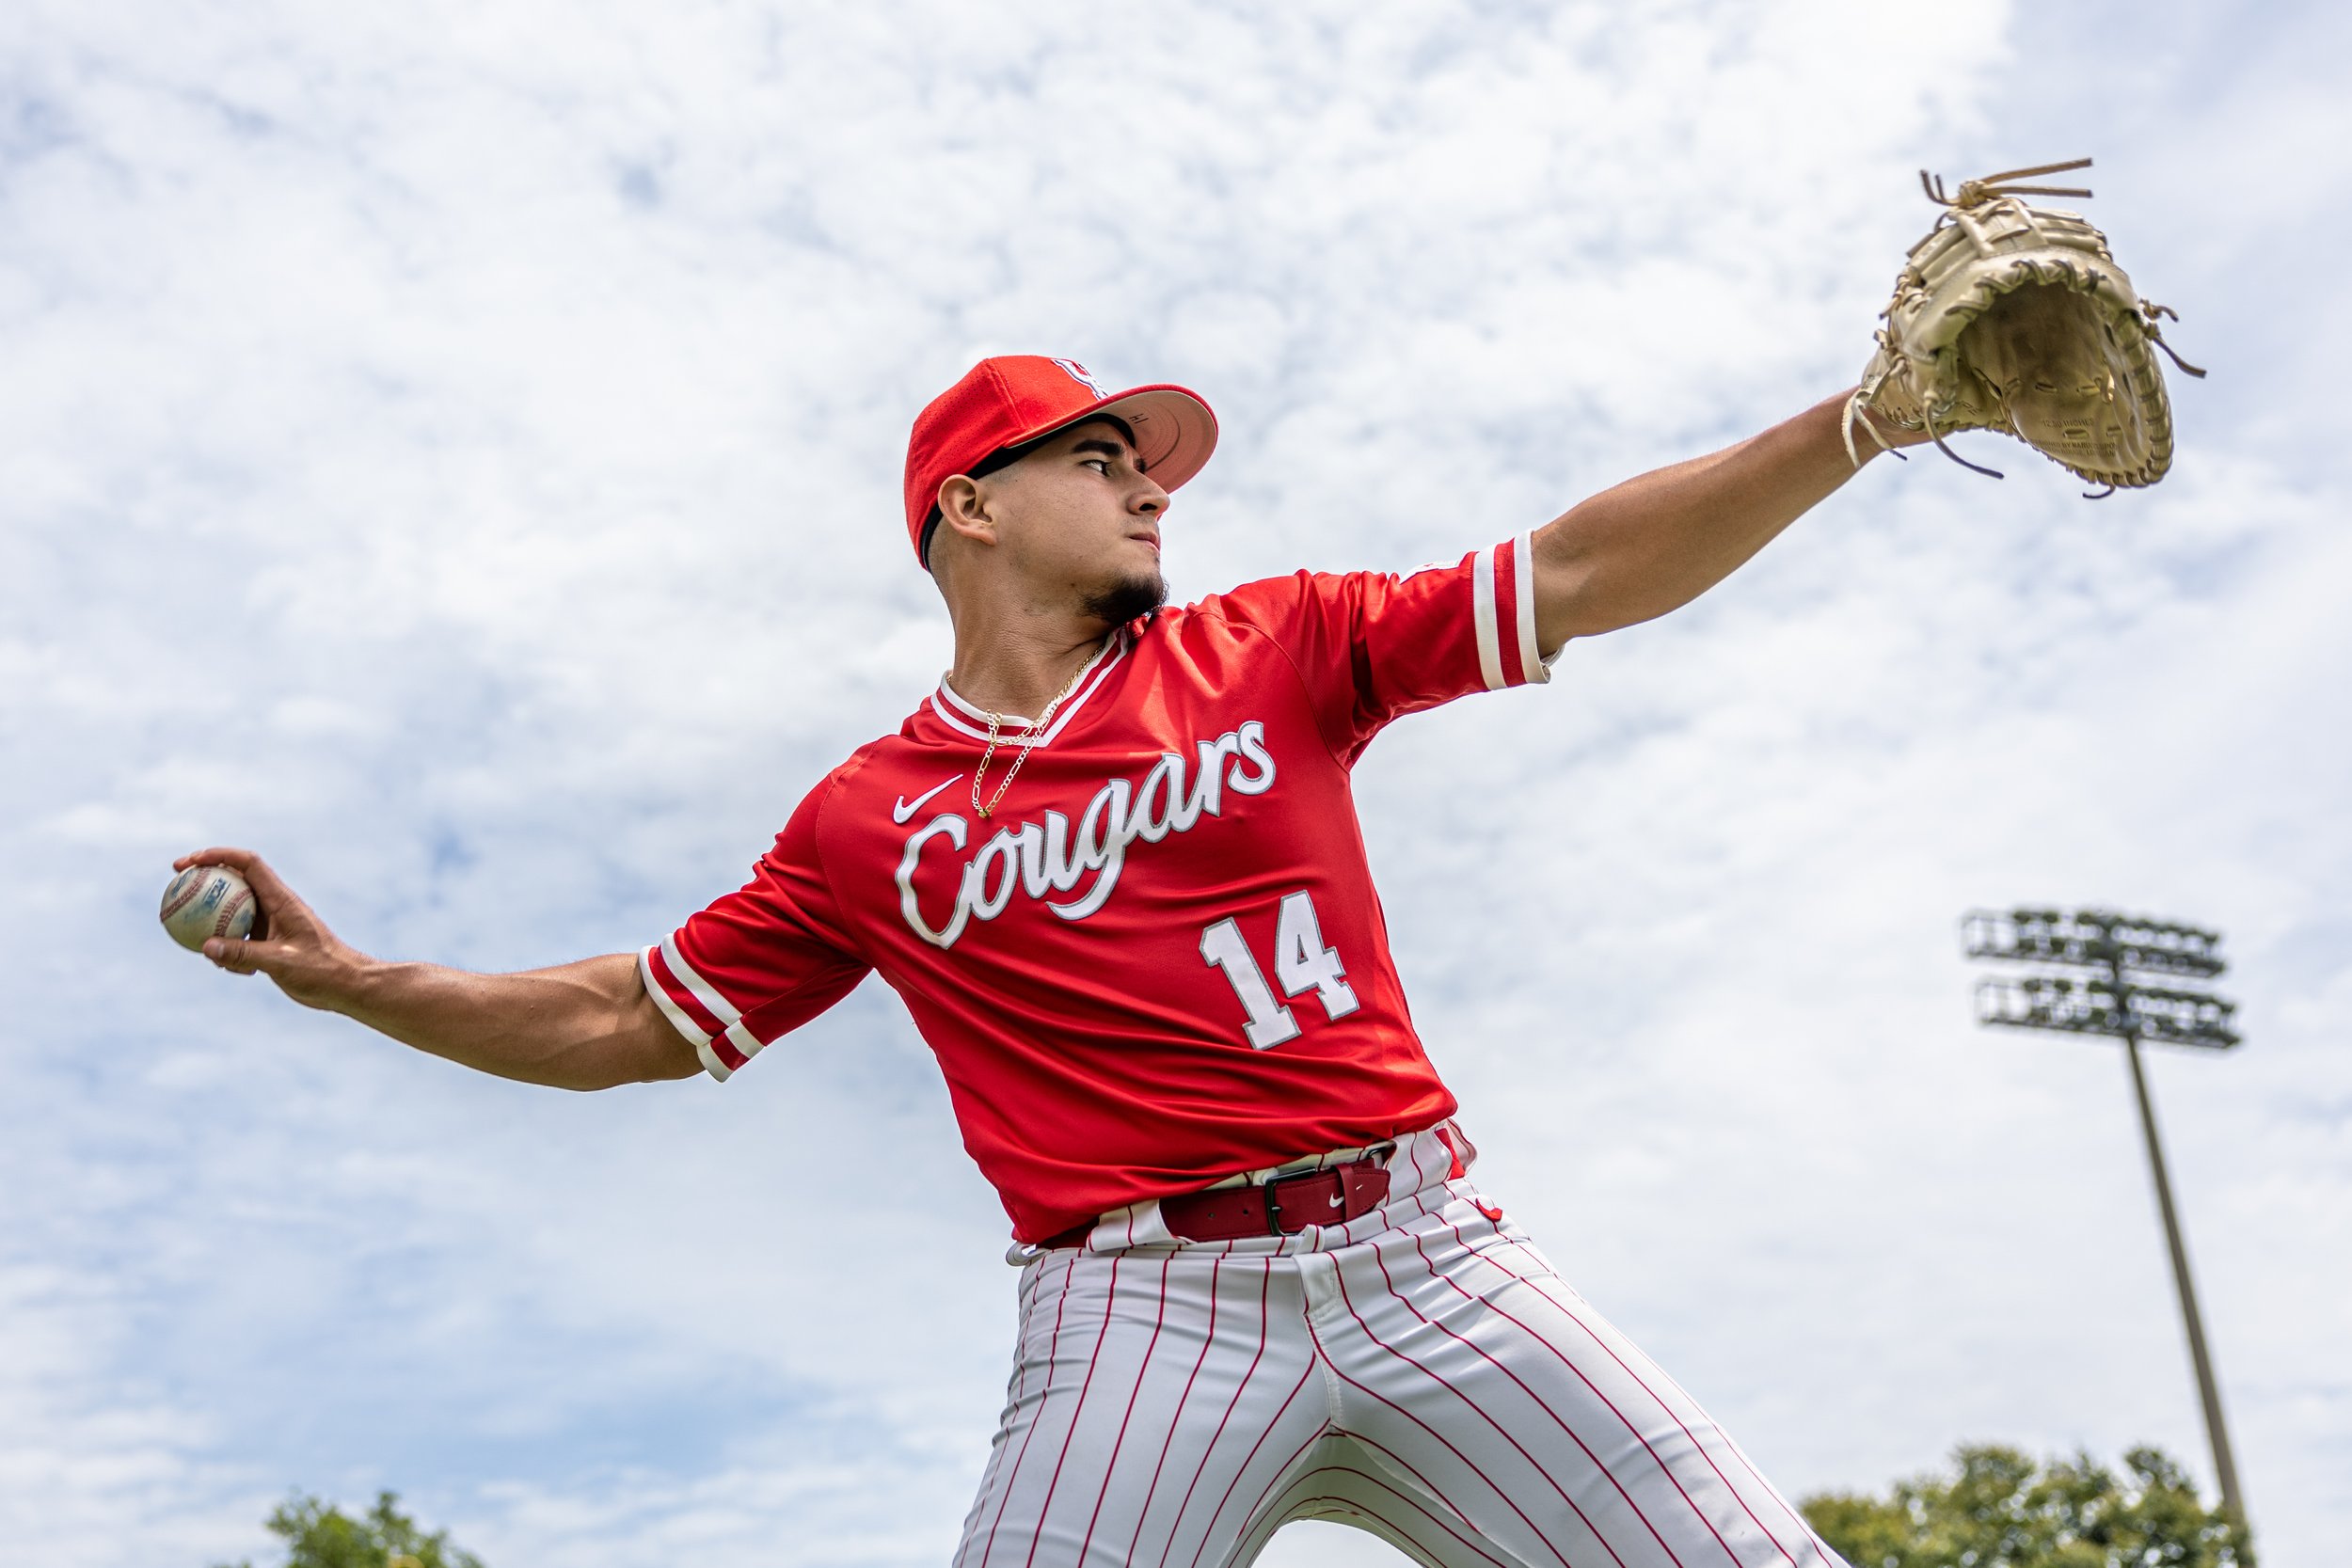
[{"x": 906, "y": 808}]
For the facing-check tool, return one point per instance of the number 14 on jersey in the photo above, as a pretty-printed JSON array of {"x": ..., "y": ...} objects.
[{"x": 1302, "y": 964}]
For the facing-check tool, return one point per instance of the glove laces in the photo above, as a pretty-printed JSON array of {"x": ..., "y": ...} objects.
[{"x": 1976, "y": 193}]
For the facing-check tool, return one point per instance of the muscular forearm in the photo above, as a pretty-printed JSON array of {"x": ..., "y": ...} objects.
[
  {"x": 586, "y": 1025},
  {"x": 1657, "y": 542}
]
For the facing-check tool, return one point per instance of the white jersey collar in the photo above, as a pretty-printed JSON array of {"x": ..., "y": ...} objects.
[{"x": 964, "y": 718}]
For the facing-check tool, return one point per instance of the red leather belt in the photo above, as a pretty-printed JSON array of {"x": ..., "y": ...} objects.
[{"x": 1279, "y": 1208}]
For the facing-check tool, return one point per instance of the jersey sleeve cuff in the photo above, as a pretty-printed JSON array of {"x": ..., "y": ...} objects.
[
  {"x": 1503, "y": 590},
  {"x": 697, "y": 1010}
]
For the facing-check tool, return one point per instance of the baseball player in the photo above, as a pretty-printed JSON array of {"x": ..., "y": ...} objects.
[{"x": 1113, "y": 867}]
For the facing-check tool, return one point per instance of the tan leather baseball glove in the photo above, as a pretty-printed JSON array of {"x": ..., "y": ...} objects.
[{"x": 2015, "y": 318}]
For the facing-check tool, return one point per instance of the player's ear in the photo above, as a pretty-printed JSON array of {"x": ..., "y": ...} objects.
[{"x": 965, "y": 510}]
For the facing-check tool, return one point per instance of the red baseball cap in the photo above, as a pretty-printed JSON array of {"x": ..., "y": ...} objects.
[{"x": 1014, "y": 398}]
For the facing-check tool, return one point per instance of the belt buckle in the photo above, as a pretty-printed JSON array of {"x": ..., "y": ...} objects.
[{"x": 1274, "y": 1200}]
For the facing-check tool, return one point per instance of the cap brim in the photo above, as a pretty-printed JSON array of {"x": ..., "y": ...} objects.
[{"x": 1174, "y": 432}]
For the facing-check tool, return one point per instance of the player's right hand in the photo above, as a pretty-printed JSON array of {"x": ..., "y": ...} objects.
[{"x": 289, "y": 943}]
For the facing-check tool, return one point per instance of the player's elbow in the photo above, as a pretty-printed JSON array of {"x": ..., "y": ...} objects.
[
  {"x": 614, "y": 1072},
  {"x": 634, "y": 1052},
  {"x": 648, "y": 1048},
  {"x": 668, "y": 1061}
]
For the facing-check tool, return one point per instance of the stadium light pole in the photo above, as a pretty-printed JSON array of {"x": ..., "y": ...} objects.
[{"x": 2081, "y": 982}]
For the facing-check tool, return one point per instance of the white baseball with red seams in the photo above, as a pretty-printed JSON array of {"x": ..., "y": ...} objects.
[
  {"x": 1159, "y": 965},
  {"x": 206, "y": 901}
]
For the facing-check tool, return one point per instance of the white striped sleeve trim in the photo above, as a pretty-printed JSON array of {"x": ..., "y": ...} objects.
[
  {"x": 679, "y": 1017},
  {"x": 744, "y": 1041},
  {"x": 733, "y": 1039},
  {"x": 1483, "y": 617},
  {"x": 718, "y": 1070},
  {"x": 1537, "y": 670},
  {"x": 1503, "y": 599},
  {"x": 705, "y": 992}
]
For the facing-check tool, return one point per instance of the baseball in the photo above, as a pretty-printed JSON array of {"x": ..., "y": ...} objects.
[{"x": 207, "y": 901}]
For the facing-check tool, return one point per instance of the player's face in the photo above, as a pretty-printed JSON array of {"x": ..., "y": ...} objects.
[{"x": 1082, "y": 521}]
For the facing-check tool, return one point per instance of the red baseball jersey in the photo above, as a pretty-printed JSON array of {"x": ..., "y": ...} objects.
[{"x": 1159, "y": 960}]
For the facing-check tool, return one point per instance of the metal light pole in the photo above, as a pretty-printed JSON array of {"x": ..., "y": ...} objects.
[{"x": 2082, "y": 984}]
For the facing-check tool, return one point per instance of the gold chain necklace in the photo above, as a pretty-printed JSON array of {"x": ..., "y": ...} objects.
[{"x": 1027, "y": 740}]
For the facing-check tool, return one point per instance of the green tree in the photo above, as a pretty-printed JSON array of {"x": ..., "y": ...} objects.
[
  {"x": 2000, "y": 1510},
  {"x": 320, "y": 1535}
]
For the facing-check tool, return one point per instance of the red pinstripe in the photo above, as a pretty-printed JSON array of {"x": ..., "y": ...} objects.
[
  {"x": 1208, "y": 1338},
  {"x": 1331, "y": 1506},
  {"x": 1252, "y": 1515},
  {"x": 1210, "y": 1528},
  {"x": 1748, "y": 1464},
  {"x": 1265, "y": 1287},
  {"x": 1669, "y": 1411},
  {"x": 1398, "y": 1460},
  {"x": 1724, "y": 1438},
  {"x": 1598, "y": 1464},
  {"x": 1290, "y": 1509},
  {"x": 1143, "y": 1369},
  {"x": 1446, "y": 1385},
  {"x": 1665, "y": 1468},
  {"x": 1506, "y": 1498},
  {"x": 1012, "y": 1407},
  {"x": 1053, "y": 1350},
  {"x": 1110, "y": 1307}
]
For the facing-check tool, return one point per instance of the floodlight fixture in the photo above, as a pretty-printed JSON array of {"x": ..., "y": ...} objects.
[
  {"x": 2089, "y": 1007},
  {"x": 2081, "y": 979}
]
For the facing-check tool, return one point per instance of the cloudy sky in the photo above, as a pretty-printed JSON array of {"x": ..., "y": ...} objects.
[{"x": 453, "y": 448}]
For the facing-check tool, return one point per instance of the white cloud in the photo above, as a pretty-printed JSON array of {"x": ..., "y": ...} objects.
[{"x": 457, "y": 451}]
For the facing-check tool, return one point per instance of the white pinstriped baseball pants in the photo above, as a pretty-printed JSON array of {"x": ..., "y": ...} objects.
[{"x": 1422, "y": 1372}]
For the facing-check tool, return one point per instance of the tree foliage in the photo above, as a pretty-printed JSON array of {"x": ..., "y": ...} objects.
[
  {"x": 320, "y": 1535},
  {"x": 2000, "y": 1510}
]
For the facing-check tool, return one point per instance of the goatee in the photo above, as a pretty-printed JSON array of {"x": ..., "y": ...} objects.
[{"x": 1123, "y": 601}]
